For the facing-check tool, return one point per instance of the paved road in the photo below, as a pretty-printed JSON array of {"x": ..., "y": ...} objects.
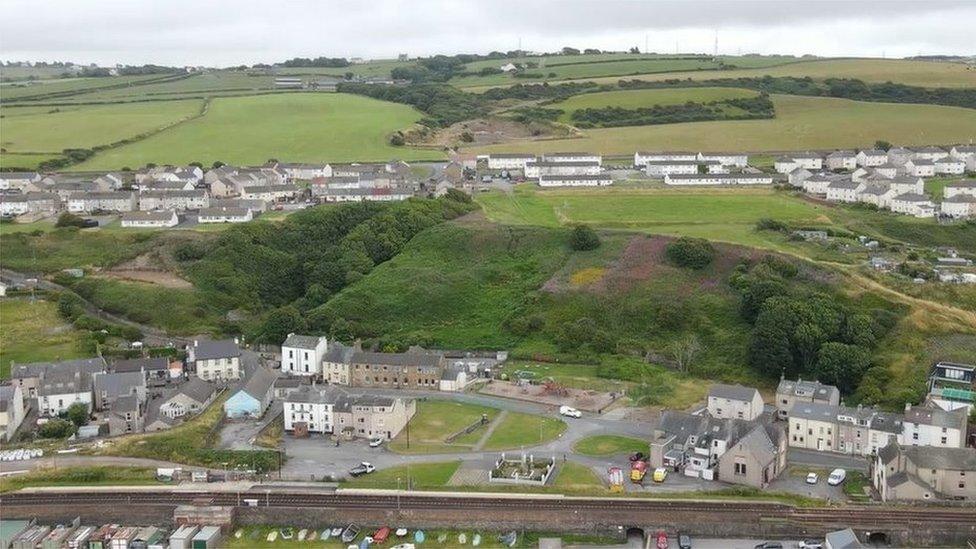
[
  {"x": 73, "y": 460},
  {"x": 824, "y": 460}
]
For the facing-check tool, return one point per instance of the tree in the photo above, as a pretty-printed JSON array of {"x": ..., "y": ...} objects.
[
  {"x": 281, "y": 322},
  {"x": 842, "y": 365},
  {"x": 692, "y": 253},
  {"x": 584, "y": 238},
  {"x": 57, "y": 428},
  {"x": 78, "y": 414},
  {"x": 684, "y": 351},
  {"x": 218, "y": 164},
  {"x": 883, "y": 145},
  {"x": 570, "y": 51},
  {"x": 634, "y": 50},
  {"x": 467, "y": 137}
]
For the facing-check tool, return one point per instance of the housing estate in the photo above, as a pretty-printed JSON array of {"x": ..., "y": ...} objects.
[
  {"x": 194, "y": 199},
  {"x": 599, "y": 180},
  {"x": 660, "y": 168},
  {"x": 537, "y": 168},
  {"x": 111, "y": 201},
  {"x": 509, "y": 161}
]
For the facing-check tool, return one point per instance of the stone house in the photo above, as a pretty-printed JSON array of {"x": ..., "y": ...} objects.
[
  {"x": 789, "y": 393},
  {"x": 734, "y": 402},
  {"x": 218, "y": 360},
  {"x": 919, "y": 473}
]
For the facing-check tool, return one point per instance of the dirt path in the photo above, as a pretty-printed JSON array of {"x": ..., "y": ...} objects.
[{"x": 491, "y": 429}]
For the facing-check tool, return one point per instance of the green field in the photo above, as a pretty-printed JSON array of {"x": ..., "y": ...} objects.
[
  {"x": 916, "y": 73},
  {"x": 517, "y": 430},
  {"x": 566, "y": 70},
  {"x": 23, "y": 161},
  {"x": 609, "y": 445},
  {"x": 634, "y": 99},
  {"x": 33, "y": 332},
  {"x": 419, "y": 476},
  {"x": 80, "y": 476},
  {"x": 41, "y": 88},
  {"x": 300, "y": 127},
  {"x": 436, "y": 420},
  {"x": 215, "y": 83},
  {"x": 51, "y": 129},
  {"x": 801, "y": 123}
]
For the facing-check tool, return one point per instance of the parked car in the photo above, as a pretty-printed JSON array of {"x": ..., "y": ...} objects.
[
  {"x": 570, "y": 412},
  {"x": 769, "y": 545},
  {"x": 811, "y": 544},
  {"x": 660, "y": 474},
  {"x": 363, "y": 468},
  {"x": 812, "y": 478},
  {"x": 684, "y": 541},
  {"x": 836, "y": 477},
  {"x": 375, "y": 442},
  {"x": 662, "y": 540}
]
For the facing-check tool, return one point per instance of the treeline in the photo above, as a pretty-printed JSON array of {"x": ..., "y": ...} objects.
[
  {"x": 443, "y": 105},
  {"x": 741, "y": 109},
  {"x": 798, "y": 331},
  {"x": 327, "y": 62},
  {"x": 553, "y": 93},
  {"x": 844, "y": 88},
  {"x": 298, "y": 264}
]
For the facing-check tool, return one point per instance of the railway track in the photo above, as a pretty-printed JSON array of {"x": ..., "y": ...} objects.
[{"x": 741, "y": 510}]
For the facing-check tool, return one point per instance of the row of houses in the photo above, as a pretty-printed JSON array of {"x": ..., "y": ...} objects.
[
  {"x": 331, "y": 410},
  {"x": 900, "y": 193},
  {"x": 561, "y": 169},
  {"x": 918, "y": 162}
]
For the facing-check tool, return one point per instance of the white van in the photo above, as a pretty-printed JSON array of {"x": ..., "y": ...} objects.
[{"x": 570, "y": 412}]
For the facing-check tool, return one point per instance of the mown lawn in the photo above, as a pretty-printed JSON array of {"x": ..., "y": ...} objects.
[
  {"x": 80, "y": 476},
  {"x": 800, "y": 123},
  {"x": 51, "y": 129},
  {"x": 573, "y": 477},
  {"x": 295, "y": 127},
  {"x": 517, "y": 430},
  {"x": 436, "y": 420},
  {"x": 420, "y": 476},
  {"x": 609, "y": 445},
  {"x": 33, "y": 332}
]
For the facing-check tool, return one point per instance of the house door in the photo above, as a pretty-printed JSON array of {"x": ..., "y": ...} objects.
[{"x": 820, "y": 444}]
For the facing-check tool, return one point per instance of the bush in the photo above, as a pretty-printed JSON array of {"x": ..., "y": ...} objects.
[
  {"x": 78, "y": 414},
  {"x": 57, "y": 428},
  {"x": 692, "y": 253},
  {"x": 70, "y": 220},
  {"x": 766, "y": 224},
  {"x": 584, "y": 238}
]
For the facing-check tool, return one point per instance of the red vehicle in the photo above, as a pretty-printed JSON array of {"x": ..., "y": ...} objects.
[
  {"x": 380, "y": 535},
  {"x": 637, "y": 471},
  {"x": 662, "y": 540}
]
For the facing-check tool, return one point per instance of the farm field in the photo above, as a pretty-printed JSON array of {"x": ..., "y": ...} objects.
[
  {"x": 299, "y": 127},
  {"x": 52, "y": 129},
  {"x": 32, "y": 332},
  {"x": 568, "y": 70},
  {"x": 23, "y": 161},
  {"x": 801, "y": 123},
  {"x": 915, "y": 73},
  {"x": 634, "y": 99},
  {"x": 210, "y": 83},
  {"x": 73, "y": 85}
]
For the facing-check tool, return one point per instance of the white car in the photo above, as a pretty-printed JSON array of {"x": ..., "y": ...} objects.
[
  {"x": 836, "y": 477},
  {"x": 374, "y": 442},
  {"x": 810, "y": 544},
  {"x": 812, "y": 478},
  {"x": 570, "y": 412}
]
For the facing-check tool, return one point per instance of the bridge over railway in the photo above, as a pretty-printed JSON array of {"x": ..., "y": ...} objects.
[{"x": 908, "y": 525}]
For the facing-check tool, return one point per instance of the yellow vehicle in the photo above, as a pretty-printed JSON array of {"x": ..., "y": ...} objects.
[{"x": 660, "y": 474}]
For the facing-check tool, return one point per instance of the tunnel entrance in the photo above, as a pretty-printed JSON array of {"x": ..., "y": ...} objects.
[
  {"x": 635, "y": 534},
  {"x": 878, "y": 539}
]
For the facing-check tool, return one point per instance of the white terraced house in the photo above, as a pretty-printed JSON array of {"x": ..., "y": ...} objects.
[
  {"x": 18, "y": 180},
  {"x": 225, "y": 214},
  {"x": 817, "y": 184},
  {"x": 933, "y": 426},
  {"x": 19, "y": 204},
  {"x": 930, "y": 153},
  {"x": 174, "y": 200},
  {"x": 534, "y": 169},
  {"x": 660, "y": 168},
  {"x": 871, "y": 158},
  {"x": 844, "y": 191},
  {"x": 509, "y": 161},
  {"x": 967, "y": 154},
  {"x": 572, "y": 157},
  {"x": 914, "y": 204},
  {"x": 642, "y": 158},
  {"x": 950, "y": 166},
  {"x": 842, "y": 160},
  {"x": 270, "y": 193},
  {"x": 738, "y": 160},
  {"x": 899, "y": 155},
  {"x": 112, "y": 201},
  {"x": 302, "y": 355},
  {"x": 149, "y": 220},
  {"x": 720, "y": 179},
  {"x": 960, "y": 206},
  {"x": 920, "y": 167},
  {"x": 575, "y": 180},
  {"x": 789, "y": 162},
  {"x": 889, "y": 170},
  {"x": 304, "y": 171},
  {"x": 960, "y": 187}
]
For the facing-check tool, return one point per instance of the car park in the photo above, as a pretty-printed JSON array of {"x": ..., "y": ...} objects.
[
  {"x": 569, "y": 411},
  {"x": 812, "y": 478},
  {"x": 837, "y": 476}
]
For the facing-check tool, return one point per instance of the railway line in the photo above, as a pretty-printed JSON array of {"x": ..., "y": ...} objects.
[{"x": 741, "y": 510}]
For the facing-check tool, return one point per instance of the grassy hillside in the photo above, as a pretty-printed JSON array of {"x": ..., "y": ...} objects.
[
  {"x": 917, "y": 73},
  {"x": 24, "y": 161},
  {"x": 800, "y": 123},
  {"x": 51, "y": 129},
  {"x": 43, "y": 88},
  {"x": 633, "y": 99},
  {"x": 32, "y": 332},
  {"x": 295, "y": 127}
]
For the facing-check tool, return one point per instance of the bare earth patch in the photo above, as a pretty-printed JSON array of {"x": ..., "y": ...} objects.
[
  {"x": 487, "y": 131},
  {"x": 590, "y": 401},
  {"x": 162, "y": 278}
]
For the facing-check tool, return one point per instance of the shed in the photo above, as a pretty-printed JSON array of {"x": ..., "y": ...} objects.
[
  {"x": 207, "y": 538},
  {"x": 182, "y": 537}
]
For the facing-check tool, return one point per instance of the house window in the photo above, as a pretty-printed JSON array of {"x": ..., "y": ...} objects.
[
  {"x": 740, "y": 468},
  {"x": 914, "y": 436},
  {"x": 944, "y": 440}
]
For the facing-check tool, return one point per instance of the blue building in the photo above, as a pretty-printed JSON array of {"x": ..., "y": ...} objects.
[{"x": 253, "y": 397}]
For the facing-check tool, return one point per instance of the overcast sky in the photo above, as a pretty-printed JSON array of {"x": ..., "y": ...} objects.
[{"x": 230, "y": 32}]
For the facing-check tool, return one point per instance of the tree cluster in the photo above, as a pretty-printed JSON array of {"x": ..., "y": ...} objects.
[
  {"x": 326, "y": 62},
  {"x": 742, "y": 109},
  {"x": 691, "y": 253}
]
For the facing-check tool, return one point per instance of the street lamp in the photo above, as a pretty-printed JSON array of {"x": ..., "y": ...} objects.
[{"x": 398, "y": 495}]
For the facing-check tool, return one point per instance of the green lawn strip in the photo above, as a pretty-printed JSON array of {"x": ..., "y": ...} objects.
[
  {"x": 517, "y": 430},
  {"x": 609, "y": 445},
  {"x": 80, "y": 476},
  {"x": 573, "y": 477},
  {"x": 417, "y": 476},
  {"x": 33, "y": 332},
  {"x": 436, "y": 420}
]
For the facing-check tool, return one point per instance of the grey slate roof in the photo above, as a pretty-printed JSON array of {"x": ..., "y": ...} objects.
[
  {"x": 841, "y": 154},
  {"x": 733, "y": 392},
  {"x": 960, "y": 198},
  {"x": 912, "y": 197},
  {"x": 7, "y": 393},
  {"x": 888, "y": 453},
  {"x": 210, "y": 349},
  {"x": 161, "y": 215},
  {"x": 259, "y": 383},
  {"x": 223, "y": 211},
  {"x": 61, "y": 381},
  {"x": 196, "y": 388},
  {"x": 843, "y": 539},
  {"x": 821, "y": 392},
  {"x": 36, "y": 369},
  {"x": 967, "y": 184},
  {"x": 118, "y": 384},
  {"x": 843, "y": 184},
  {"x": 301, "y": 341},
  {"x": 934, "y": 457},
  {"x": 937, "y": 417},
  {"x": 127, "y": 403}
]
